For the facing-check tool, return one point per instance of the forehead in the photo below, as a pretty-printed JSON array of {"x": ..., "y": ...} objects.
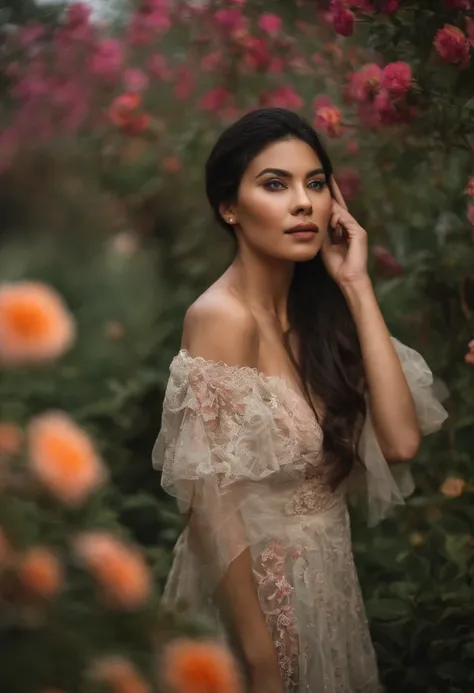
[{"x": 292, "y": 155}]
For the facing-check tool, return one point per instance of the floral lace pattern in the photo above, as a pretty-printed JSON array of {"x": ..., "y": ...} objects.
[
  {"x": 275, "y": 594},
  {"x": 312, "y": 496},
  {"x": 242, "y": 453}
]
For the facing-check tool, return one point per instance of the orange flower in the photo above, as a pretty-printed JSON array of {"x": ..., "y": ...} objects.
[
  {"x": 190, "y": 666},
  {"x": 35, "y": 324},
  {"x": 171, "y": 164},
  {"x": 124, "y": 107},
  {"x": 452, "y": 487},
  {"x": 63, "y": 458},
  {"x": 328, "y": 120},
  {"x": 114, "y": 330},
  {"x": 41, "y": 572},
  {"x": 120, "y": 675},
  {"x": 10, "y": 439},
  {"x": 137, "y": 124},
  {"x": 416, "y": 538},
  {"x": 118, "y": 567}
]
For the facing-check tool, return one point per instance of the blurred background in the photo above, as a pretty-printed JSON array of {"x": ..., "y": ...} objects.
[{"x": 108, "y": 110}]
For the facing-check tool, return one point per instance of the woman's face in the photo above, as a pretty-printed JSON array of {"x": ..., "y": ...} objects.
[{"x": 283, "y": 188}]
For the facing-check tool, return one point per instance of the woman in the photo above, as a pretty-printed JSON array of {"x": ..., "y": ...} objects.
[{"x": 287, "y": 393}]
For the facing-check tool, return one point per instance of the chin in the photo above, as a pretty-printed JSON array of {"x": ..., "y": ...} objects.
[{"x": 304, "y": 253}]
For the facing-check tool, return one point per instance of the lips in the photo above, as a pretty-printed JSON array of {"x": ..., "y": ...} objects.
[{"x": 303, "y": 228}]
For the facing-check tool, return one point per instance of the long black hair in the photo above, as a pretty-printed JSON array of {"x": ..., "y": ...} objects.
[{"x": 329, "y": 361}]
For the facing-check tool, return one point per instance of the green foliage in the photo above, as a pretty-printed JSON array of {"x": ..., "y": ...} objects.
[{"x": 417, "y": 569}]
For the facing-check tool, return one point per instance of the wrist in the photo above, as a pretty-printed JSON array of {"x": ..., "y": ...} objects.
[{"x": 358, "y": 289}]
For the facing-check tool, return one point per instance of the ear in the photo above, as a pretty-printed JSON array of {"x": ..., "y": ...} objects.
[{"x": 228, "y": 214}]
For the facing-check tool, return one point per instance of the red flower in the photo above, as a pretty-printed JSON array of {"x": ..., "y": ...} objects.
[
  {"x": 459, "y": 4},
  {"x": 452, "y": 45},
  {"x": 386, "y": 262},
  {"x": 123, "y": 113},
  {"x": 342, "y": 18},
  {"x": 123, "y": 107},
  {"x": 397, "y": 78},
  {"x": 328, "y": 120},
  {"x": 365, "y": 83},
  {"x": 470, "y": 187}
]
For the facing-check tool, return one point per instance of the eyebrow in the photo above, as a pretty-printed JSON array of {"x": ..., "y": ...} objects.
[{"x": 287, "y": 174}]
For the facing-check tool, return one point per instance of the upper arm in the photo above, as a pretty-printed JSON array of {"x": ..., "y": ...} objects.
[{"x": 218, "y": 329}]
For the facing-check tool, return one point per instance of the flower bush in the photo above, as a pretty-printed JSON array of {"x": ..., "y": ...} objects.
[{"x": 105, "y": 240}]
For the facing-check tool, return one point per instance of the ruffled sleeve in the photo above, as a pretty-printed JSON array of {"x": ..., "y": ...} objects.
[
  {"x": 388, "y": 485},
  {"x": 219, "y": 433}
]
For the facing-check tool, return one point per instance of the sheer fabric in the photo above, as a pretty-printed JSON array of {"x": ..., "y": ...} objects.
[{"x": 242, "y": 452}]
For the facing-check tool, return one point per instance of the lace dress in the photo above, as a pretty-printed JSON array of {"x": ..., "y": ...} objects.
[{"x": 243, "y": 451}]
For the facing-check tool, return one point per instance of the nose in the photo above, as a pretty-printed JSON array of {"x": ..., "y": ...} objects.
[{"x": 301, "y": 202}]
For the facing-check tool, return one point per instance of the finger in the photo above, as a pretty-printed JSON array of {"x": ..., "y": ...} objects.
[{"x": 337, "y": 193}]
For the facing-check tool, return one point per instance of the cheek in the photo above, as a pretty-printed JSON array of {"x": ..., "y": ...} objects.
[
  {"x": 324, "y": 207},
  {"x": 263, "y": 207}
]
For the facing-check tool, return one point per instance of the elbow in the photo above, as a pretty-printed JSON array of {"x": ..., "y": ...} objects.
[{"x": 406, "y": 448}]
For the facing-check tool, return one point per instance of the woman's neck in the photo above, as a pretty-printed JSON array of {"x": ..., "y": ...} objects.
[{"x": 264, "y": 283}]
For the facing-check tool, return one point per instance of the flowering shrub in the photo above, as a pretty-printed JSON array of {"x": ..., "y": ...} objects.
[{"x": 114, "y": 126}]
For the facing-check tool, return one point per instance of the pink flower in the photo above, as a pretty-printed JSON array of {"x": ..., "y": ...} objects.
[
  {"x": 184, "y": 84},
  {"x": 342, "y": 18},
  {"x": 270, "y": 23},
  {"x": 352, "y": 147},
  {"x": 211, "y": 62},
  {"x": 386, "y": 262},
  {"x": 322, "y": 101},
  {"x": 397, "y": 78},
  {"x": 469, "y": 357},
  {"x": 452, "y": 45},
  {"x": 328, "y": 120},
  {"x": 257, "y": 55},
  {"x": 78, "y": 13},
  {"x": 31, "y": 32},
  {"x": 135, "y": 79},
  {"x": 215, "y": 99},
  {"x": 158, "y": 67},
  {"x": 172, "y": 164},
  {"x": 459, "y": 4},
  {"x": 77, "y": 25},
  {"x": 283, "y": 97},
  {"x": 159, "y": 21},
  {"x": 145, "y": 26},
  {"x": 470, "y": 187},
  {"x": 107, "y": 59},
  {"x": 231, "y": 21},
  {"x": 470, "y": 214},
  {"x": 349, "y": 182},
  {"x": 390, "y": 112},
  {"x": 365, "y": 83},
  {"x": 389, "y": 6}
]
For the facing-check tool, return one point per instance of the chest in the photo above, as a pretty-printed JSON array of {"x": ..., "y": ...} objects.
[{"x": 279, "y": 357}]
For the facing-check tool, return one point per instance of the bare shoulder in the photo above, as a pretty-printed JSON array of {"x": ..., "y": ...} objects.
[{"x": 220, "y": 327}]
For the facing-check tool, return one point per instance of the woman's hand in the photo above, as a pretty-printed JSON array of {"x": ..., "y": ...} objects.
[{"x": 345, "y": 256}]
